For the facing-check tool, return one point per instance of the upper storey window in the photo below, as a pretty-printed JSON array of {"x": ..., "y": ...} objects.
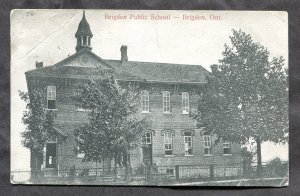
[
  {"x": 51, "y": 97},
  {"x": 185, "y": 102},
  {"x": 166, "y": 102},
  {"x": 145, "y": 100}
]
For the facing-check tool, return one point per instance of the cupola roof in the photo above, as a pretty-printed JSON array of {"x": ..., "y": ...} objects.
[{"x": 83, "y": 27}]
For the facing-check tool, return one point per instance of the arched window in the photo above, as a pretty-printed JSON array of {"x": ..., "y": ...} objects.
[
  {"x": 147, "y": 138},
  {"x": 145, "y": 100},
  {"x": 51, "y": 97}
]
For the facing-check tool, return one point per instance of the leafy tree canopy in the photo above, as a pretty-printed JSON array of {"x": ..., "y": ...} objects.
[
  {"x": 247, "y": 94},
  {"x": 114, "y": 124},
  {"x": 37, "y": 119}
]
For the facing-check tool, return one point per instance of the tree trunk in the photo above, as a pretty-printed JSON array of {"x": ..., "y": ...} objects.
[
  {"x": 115, "y": 168},
  {"x": 109, "y": 164},
  {"x": 96, "y": 170},
  {"x": 102, "y": 168},
  {"x": 36, "y": 170},
  {"x": 34, "y": 165},
  {"x": 259, "y": 164}
]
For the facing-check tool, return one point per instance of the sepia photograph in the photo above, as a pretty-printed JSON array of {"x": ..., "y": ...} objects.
[{"x": 149, "y": 97}]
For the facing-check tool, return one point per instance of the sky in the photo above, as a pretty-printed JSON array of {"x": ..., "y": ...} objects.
[{"x": 151, "y": 36}]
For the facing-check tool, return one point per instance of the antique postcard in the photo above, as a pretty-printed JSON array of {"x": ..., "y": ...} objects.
[{"x": 136, "y": 97}]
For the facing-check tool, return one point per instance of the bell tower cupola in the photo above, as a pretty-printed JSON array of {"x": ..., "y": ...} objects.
[{"x": 83, "y": 35}]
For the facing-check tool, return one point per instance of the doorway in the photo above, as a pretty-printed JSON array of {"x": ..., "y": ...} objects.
[
  {"x": 50, "y": 155},
  {"x": 147, "y": 148}
]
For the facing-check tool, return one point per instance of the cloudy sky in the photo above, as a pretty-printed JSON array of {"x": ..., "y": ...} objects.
[{"x": 49, "y": 36}]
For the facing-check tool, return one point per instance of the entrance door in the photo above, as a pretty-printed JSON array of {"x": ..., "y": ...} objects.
[
  {"x": 147, "y": 154},
  {"x": 50, "y": 155},
  {"x": 147, "y": 148}
]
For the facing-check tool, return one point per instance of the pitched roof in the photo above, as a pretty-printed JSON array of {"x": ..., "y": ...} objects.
[
  {"x": 162, "y": 72},
  {"x": 60, "y": 70},
  {"x": 126, "y": 70}
]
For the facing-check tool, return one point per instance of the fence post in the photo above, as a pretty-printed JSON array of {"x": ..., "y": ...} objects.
[
  {"x": 143, "y": 169},
  {"x": 127, "y": 175},
  {"x": 177, "y": 172},
  {"x": 211, "y": 171},
  {"x": 244, "y": 174},
  {"x": 148, "y": 171}
]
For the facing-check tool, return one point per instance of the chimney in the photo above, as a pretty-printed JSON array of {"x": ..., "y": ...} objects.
[
  {"x": 39, "y": 64},
  {"x": 124, "y": 56}
]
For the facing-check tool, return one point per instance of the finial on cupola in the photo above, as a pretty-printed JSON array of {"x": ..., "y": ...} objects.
[{"x": 83, "y": 34}]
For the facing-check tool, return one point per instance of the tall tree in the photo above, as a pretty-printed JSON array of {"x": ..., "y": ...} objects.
[
  {"x": 114, "y": 125},
  {"x": 38, "y": 121},
  {"x": 247, "y": 95}
]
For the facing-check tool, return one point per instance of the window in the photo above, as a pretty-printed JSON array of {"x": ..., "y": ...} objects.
[
  {"x": 166, "y": 102},
  {"x": 80, "y": 153},
  {"x": 188, "y": 144},
  {"x": 51, "y": 97},
  {"x": 170, "y": 172},
  {"x": 147, "y": 138},
  {"x": 145, "y": 101},
  {"x": 226, "y": 148},
  {"x": 85, "y": 40},
  {"x": 168, "y": 143},
  {"x": 185, "y": 102},
  {"x": 207, "y": 144}
]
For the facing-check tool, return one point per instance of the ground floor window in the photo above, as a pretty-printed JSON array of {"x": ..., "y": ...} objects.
[
  {"x": 226, "y": 148},
  {"x": 170, "y": 172},
  {"x": 188, "y": 143},
  {"x": 168, "y": 139},
  {"x": 207, "y": 144}
]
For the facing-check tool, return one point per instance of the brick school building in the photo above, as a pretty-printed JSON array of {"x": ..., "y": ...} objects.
[{"x": 169, "y": 92}]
